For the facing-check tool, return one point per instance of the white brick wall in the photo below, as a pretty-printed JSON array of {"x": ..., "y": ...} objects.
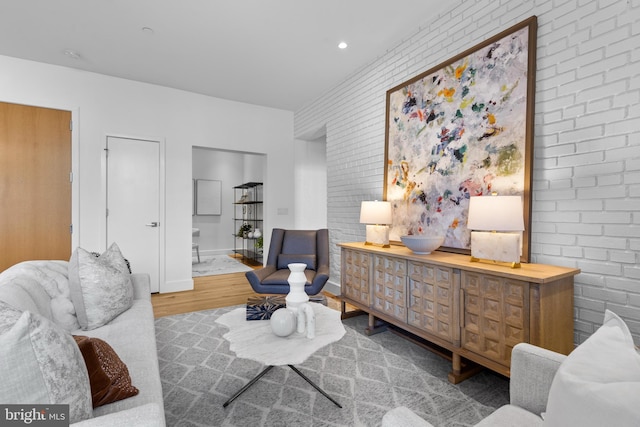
[{"x": 586, "y": 189}]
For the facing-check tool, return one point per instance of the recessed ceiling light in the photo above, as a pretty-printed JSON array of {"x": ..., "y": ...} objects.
[
  {"x": 72, "y": 54},
  {"x": 342, "y": 45}
]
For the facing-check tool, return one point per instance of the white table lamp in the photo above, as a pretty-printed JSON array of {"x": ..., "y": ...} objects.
[
  {"x": 377, "y": 216},
  {"x": 496, "y": 224}
]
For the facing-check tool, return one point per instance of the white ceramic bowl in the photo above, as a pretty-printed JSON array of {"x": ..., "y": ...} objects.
[{"x": 422, "y": 244}]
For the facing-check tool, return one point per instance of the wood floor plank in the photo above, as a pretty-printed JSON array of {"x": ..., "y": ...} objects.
[
  {"x": 223, "y": 290},
  {"x": 208, "y": 292}
]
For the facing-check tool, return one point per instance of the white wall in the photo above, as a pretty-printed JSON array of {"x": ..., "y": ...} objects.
[
  {"x": 586, "y": 190},
  {"x": 310, "y": 177},
  {"x": 105, "y": 105}
]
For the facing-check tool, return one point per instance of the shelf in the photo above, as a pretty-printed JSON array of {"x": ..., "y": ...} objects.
[
  {"x": 246, "y": 253},
  {"x": 249, "y": 193},
  {"x": 248, "y": 185}
]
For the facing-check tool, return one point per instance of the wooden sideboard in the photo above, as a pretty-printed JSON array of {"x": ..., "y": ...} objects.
[{"x": 477, "y": 311}]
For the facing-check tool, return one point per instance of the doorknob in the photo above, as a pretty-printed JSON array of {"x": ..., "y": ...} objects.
[{"x": 153, "y": 224}]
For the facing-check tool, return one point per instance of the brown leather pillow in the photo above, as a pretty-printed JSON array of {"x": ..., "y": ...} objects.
[{"x": 108, "y": 375}]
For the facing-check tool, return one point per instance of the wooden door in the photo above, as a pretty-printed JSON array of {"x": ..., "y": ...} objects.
[{"x": 35, "y": 184}]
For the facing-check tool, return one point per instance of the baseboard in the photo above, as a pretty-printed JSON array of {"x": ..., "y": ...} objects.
[
  {"x": 332, "y": 288},
  {"x": 212, "y": 252}
]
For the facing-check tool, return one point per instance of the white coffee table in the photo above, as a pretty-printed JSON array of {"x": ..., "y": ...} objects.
[{"x": 254, "y": 340}]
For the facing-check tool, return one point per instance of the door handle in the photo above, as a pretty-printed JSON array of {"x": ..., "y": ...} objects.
[{"x": 153, "y": 224}]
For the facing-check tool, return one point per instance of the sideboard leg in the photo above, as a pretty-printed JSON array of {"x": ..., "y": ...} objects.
[
  {"x": 459, "y": 372},
  {"x": 344, "y": 314},
  {"x": 375, "y": 326}
]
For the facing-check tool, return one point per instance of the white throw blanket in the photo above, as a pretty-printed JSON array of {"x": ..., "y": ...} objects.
[{"x": 53, "y": 277}]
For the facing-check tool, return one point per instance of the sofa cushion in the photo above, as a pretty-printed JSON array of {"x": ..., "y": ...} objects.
[
  {"x": 509, "y": 416},
  {"x": 41, "y": 364},
  {"x": 285, "y": 259},
  {"x": 598, "y": 384},
  {"x": 132, "y": 337},
  {"x": 100, "y": 287},
  {"x": 108, "y": 375}
]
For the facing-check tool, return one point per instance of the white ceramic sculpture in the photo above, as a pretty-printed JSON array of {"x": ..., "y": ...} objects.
[
  {"x": 306, "y": 320},
  {"x": 297, "y": 279},
  {"x": 257, "y": 233},
  {"x": 283, "y": 322}
]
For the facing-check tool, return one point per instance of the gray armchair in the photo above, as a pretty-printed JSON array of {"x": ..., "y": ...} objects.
[{"x": 288, "y": 246}]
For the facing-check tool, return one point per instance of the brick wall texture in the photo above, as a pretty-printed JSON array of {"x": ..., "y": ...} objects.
[{"x": 586, "y": 166}]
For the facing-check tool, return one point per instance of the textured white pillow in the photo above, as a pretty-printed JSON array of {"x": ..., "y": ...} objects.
[
  {"x": 41, "y": 364},
  {"x": 598, "y": 384},
  {"x": 100, "y": 287}
]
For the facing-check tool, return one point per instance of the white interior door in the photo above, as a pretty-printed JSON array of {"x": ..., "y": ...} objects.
[{"x": 133, "y": 203}]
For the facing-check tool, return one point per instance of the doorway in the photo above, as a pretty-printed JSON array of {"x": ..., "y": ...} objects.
[
  {"x": 230, "y": 168},
  {"x": 133, "y": 200},
  {"x": 35, "y": 195}
]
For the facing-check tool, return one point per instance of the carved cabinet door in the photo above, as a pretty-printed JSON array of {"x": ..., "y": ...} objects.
[
  {"x": 355, "y": 272},
  {"x": 433, "y": 301},
  {"x": 495, "y": 315},
  {"x": 390, "y": 285}
]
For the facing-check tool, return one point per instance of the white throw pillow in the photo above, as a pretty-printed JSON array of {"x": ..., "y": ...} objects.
[
  {"x": 41, "y": 364},
  {"x": 100, "y": 287},
  {"x": 598, "y": 384}
]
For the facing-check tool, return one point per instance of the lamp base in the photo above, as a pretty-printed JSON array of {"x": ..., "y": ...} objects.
[
  {"x": 378, "y": 235},
  {"x": 512, "y": 265},
  {"x": 496, "y": 247}
]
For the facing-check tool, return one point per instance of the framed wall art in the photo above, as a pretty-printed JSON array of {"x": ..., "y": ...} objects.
[
  {"x": 463, "y": 128},
  {"x": 208, "y": 197}
]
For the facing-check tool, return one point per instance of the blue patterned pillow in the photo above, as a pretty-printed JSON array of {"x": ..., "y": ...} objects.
[{"x": 261, "y": 308}]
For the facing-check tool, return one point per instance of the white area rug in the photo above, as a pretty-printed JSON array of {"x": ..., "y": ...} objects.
[{"x": 216, "y": 264}]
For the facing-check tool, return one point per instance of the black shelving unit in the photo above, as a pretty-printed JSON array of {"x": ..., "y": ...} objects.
[{"x": 248, "y": 212}]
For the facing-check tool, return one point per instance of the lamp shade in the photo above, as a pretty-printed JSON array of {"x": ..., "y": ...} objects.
[
  {"x": 495, "y": 213},
  {"x": 375, "y": 212}
]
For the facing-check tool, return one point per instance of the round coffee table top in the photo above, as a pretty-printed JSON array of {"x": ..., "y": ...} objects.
[{"x": 254, "y": 340}]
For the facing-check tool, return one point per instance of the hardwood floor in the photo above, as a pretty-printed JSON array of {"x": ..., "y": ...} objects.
[{"x": 209, "y": 292}]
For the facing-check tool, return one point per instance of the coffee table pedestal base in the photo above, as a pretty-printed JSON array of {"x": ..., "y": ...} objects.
[{"x": 267, "y": 369}]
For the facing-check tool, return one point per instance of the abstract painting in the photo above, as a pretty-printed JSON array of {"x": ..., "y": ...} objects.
[{"x": 463, "y": 128}]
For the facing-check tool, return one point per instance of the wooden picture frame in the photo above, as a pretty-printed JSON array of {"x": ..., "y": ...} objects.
[{"x": 460, "y": 129}]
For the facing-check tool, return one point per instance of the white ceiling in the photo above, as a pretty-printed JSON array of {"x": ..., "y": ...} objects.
[{"x": 276, "y": 53}]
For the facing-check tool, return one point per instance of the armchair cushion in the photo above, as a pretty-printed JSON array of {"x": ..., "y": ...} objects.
[
  {"x": 299, "y": 242},
  {"x": 599, "y": 382},
  {"x": 285, "y": 259}
]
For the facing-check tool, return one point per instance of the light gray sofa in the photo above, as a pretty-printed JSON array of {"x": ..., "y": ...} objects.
[
  {"x": 41, "y": 287},
  {"x": 532, "y": 372}
]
